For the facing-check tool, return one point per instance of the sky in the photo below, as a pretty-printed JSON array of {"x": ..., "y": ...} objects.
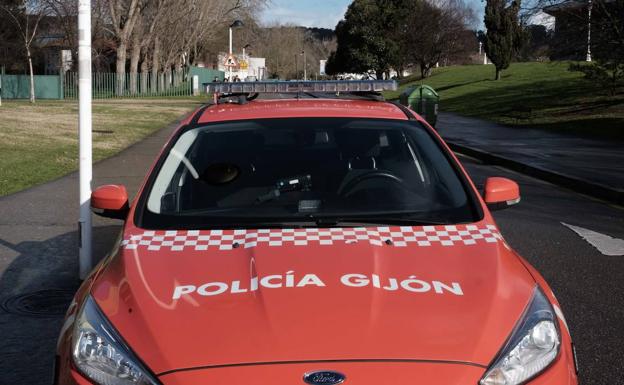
[
  {"x": 324, "y": 13},
  {"x": 327, "y": 13},
  {"x": 307, "y": 13}
]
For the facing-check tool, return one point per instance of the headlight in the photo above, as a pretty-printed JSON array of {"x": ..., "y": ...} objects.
[
  {"x": 101, "y": 355},
  {"x": 532, "y": 346}
]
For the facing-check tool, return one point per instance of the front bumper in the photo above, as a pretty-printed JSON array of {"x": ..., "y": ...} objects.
[{"x": 372, "y": 372}]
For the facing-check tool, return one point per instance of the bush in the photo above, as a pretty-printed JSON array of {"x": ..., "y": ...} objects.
[{"x": 609, "y": 75}]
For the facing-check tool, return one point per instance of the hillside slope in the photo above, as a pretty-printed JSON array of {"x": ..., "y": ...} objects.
[{"x": 537, "y": 95}]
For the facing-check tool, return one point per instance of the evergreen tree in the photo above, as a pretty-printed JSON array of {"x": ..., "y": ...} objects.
[
  {"x": 366, "y": 38},
  {"x": 503, "y": 35}
]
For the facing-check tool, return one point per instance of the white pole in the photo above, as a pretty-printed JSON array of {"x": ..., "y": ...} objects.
[
  {"x": 305, "y": 69},
  {"x": 86, "y": 172},
  {"x": 589, "y": 10},
  {"x": 230, "y": 67}
]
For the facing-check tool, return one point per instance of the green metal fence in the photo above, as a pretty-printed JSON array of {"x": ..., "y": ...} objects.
[
  {"x": 18, "y": 87},
  {"x": 109, "y": 85}
]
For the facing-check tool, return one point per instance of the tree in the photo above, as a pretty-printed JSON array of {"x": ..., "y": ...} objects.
[
  {"x": 26, "y": 16},
  {"x": 366, "y": 38},
  {"x": 283, "y": 47},
  {"x": 502, "y": 39},
  {"x": 536, "y": 42},
  {"x": 66, "y": 12},
  {"x": 142, "y": 36},
  {"x": 434, "y": 32},
  {"x": 124, "y": 15},
  {"x": 607, "y": 67},
  {"x": 10, "y": 41},
  {"x": 608, "y": 47}
]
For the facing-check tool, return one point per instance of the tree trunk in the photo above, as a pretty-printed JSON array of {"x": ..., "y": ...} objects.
[
  {"x": 134, "y": 64},
  {"x": 144, "y": 74},
  {"x": 498, "y": 74},
  {"x": 168, "y": 76},
  {"x": 194, "y": 59},
  {"x": 177, "y": 79},
  {"x": 425, "y": 69},
  {"x": 161, "y": 81},
  {"x": 155, "y": 65},
  {"x": 379, "y": 74},
  {"x": 121, "y": 68},
  {"x": 32, "y": 76}
]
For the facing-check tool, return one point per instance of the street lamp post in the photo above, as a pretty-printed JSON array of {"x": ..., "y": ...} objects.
[
  {"x": 245, "y": 58},
  {"x": 305, "y": 70},
  {"x": 589, "y": 10},
  {"x": 235, "y": 24},
  {"x": 296, "y": 67}
]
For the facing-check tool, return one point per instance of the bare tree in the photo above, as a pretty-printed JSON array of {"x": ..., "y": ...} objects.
[
  {"x": 435, "y": 31},
  {"x": 26, "y": 15},
  {"x": 283, "y": 47},
  {"x": 124, "y": 15},
  {"x": 142, "y": 37},
  {"x": 153, "y": 35},
  {"x": 189, "y": 28},
  {"x": 66, "y": 12}
]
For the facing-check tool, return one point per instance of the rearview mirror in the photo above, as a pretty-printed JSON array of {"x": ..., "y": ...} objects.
[
  {"x": 500, "y": 193},
  {"x": 110, "y": 201}
]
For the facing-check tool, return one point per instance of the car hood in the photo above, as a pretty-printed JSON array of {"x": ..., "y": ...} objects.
[{"x": 187, "y": 299}]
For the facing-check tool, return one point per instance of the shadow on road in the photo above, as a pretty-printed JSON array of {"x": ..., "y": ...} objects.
[{"x": 35, "y": 290}]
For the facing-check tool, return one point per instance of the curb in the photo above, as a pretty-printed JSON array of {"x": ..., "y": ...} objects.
[{"x": 595, "y": 190}]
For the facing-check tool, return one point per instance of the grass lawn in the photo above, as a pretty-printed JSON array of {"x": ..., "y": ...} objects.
[
  {"x": 40, "y": 142},
  {"x": 536, "y": 95}
]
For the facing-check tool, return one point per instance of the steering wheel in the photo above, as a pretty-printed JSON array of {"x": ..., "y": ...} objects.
[{"x": 351, "y": 186}]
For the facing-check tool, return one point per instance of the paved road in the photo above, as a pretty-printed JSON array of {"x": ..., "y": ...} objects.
[
  {"x": 589, "y": 285},
  {"x": 592, "y": 165},
  {"x": 598, "y": 160}
]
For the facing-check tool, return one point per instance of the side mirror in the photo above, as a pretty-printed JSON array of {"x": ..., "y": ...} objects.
[
  {"x": 500, "y": 193},
  {"x": 110, "y": 201}
]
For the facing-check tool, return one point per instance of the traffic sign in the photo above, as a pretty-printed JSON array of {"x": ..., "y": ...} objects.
[{"x": 230, "y": 61}]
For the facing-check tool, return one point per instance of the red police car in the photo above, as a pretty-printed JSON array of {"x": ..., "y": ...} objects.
[{"x": 321, "y": 239}]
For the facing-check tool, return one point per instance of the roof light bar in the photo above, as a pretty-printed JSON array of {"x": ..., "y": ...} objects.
[{"x": 326, "y": 86}]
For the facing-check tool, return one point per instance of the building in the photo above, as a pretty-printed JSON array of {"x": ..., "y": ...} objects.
[
  {"x": 571, "y": 27},
  {"x": 245, "y": 67}
]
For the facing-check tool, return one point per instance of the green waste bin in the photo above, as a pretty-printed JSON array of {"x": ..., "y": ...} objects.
[{"x": 424, "y": 100}]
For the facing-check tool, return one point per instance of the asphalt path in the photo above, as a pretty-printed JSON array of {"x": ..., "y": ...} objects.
[{"x": 589, "y": 285}]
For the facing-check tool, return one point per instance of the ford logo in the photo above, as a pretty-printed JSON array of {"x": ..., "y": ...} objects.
[{"x": 324, "y": 377}]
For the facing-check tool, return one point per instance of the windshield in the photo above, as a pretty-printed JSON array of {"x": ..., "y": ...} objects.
[{"x": 305, "y": 171}]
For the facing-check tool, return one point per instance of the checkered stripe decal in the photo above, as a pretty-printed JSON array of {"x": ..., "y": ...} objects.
[{"x": 200, "y": 240}]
